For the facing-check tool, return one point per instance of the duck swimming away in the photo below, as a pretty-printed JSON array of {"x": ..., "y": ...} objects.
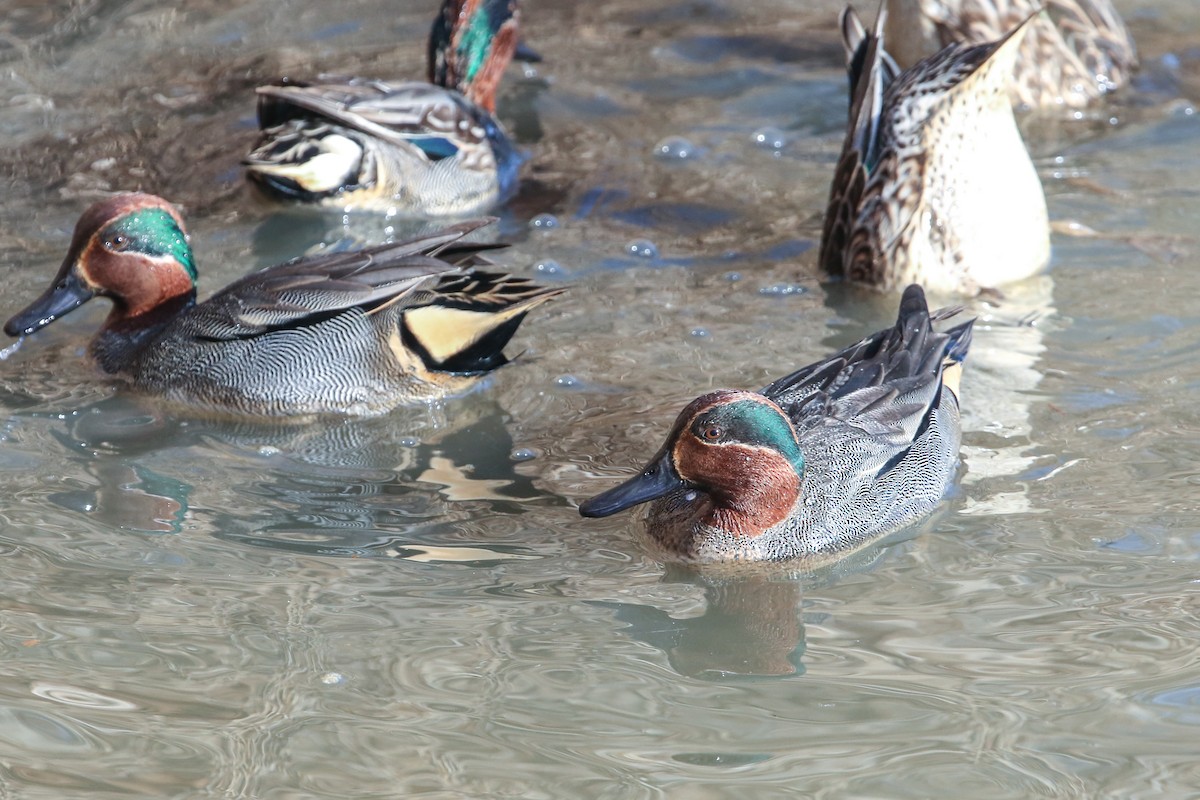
[
  {"x": 346, "y": 333},
  {"x": 819, "y": 464},
  {"x": 412, "y": 147}
]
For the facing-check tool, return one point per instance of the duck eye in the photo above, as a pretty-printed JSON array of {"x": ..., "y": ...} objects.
[
  {"x": 116, "y": 243},
  {"x": 712, "y": 433}
]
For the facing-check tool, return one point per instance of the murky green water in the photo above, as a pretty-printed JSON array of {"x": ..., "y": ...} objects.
[{"x": 410, "y": 606}]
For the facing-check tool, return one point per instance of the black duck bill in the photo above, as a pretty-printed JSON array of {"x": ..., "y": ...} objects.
[
  {"x": 656, "y": 479},
  {"x": 67, "y": 293}
]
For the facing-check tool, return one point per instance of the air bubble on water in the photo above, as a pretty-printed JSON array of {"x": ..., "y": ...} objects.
[
  {"x": 266, "y": 451},
  {"x": 548, "y": 266},
  {"x": 544, "y": 222},
  {"x": 567, "y": 381},
  {"x": 674, "y": 148},
  {"x": 410, "y": 441},
  {"x": 782, "y": 289},
  {"x": 770, "y": 139},
  {"x": 523, "y": 454},
  {"x": 642, "y": 248},
  {"x": 700, "y": 333},
  {"x": 333, "y": 679},
  {"x": 733, "y": 277}
]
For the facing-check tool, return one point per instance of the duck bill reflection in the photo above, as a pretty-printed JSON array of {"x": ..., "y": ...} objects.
[
  {"x": 655, "y": 480},
  {"x": 66, "y": 294}
]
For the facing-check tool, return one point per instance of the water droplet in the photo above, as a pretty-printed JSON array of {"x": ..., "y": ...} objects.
[
  {"x": 700, "y": 333},
  {"x": 267, "y": 451},
  {"x": 733, "y": 277},
  {"x": 770, "y": 139},
  {"x": 548, "y": 266},
  {"x": 529, "y": 70},
  {"x": 544, "y": 222},
  {"x": 333, "y": 678},
  {"x": 782, "y": 289},
  {"x": 674, "y": 148},
  {"x": 567, "y": 381},
  {"x": 524, "y": 454},
  {"x": 12, "y": 348},
  {"x": 642, "y": 248},
  {"x": 410, "y": 441}
]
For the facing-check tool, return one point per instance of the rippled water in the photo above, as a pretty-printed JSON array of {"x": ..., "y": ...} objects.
[{"x": 410, "y": 606}]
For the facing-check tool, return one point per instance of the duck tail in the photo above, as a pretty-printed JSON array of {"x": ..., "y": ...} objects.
[
  {"x": 470, "y": 46},
  {"x": 871, "y": 71},
  {"x": 956, "y": 341},
  {"x": 469, "y": 319}
]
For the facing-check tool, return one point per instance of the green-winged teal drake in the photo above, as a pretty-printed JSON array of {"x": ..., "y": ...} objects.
[
  {"x": 934, "y": 185},
  {"x": 817, "y": 465},
  {"x": 418, "y": 148},
  {"x": 349, "y": 333},
  {"x": 1075, "y": 52}
]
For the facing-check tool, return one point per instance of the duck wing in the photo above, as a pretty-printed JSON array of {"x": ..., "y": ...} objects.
[
  {"x": 887, "y": 384},
  {"x": 428, "y": 120},
  {"x": 314, "y": 288}
]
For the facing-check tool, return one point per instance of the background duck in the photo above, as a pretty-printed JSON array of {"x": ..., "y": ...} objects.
[
  {"x": 817, "y": 465},
  {"x": 1075, "y": 52},
  {"x": 354, "y": 333},
  {"x": 419, "y": 148},
  {"x": 934, "y": 184}
]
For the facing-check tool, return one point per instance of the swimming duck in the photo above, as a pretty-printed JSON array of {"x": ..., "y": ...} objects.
[
  {"x": 934, "y": 184},
  {"x": 817, "y": 465},
  {"x": 352, "y": 333},
  {"x": 416, "y": 148},
  {"x": 1074, "y": 53}
]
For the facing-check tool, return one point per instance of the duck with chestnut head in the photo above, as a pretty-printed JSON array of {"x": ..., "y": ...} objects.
[
  {"x": 819, "y": 464},
  {"x": 356, "y": 332}
]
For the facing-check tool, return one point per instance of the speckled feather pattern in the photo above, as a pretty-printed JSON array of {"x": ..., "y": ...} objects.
[
  {"x": 1074, "y": 53},
  {"x": 934, "y": 185}
]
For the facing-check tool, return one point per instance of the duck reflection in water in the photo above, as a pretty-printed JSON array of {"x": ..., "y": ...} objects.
[
  {"x": 392, "y": 486},
  {"x": 753, "y": 625}
]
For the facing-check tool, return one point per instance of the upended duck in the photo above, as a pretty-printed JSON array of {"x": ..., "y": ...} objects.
[
  {"x": 423, "y": 148},
  {"x": 354, "y": 333},
  {"x": 1076, "y": 51},
  {"x": 817, "y": 465},
  {"x": 934, "y": 185}
]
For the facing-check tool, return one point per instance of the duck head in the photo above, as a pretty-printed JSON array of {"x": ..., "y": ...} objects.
[
  {"x": 131, "y": 248},
  {"x": 470, "y": 46},
  {"x": 738, "y": 448}
]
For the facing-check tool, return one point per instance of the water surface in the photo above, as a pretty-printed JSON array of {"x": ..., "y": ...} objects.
[{"x": 410, "y": 606}]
